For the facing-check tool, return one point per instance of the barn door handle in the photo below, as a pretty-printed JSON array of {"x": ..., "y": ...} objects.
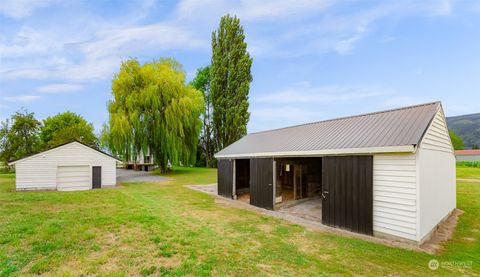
[{"x": 324, "y": 194}]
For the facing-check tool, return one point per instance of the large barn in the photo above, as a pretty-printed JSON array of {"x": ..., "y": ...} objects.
[
  {"x": 68, "y": 167},
  {"x": 388, "y": 173}
]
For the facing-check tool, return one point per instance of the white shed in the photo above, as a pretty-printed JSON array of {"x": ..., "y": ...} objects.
[
  {"x": 68, "y": 167},
  {"x": 388, "y": 173}
]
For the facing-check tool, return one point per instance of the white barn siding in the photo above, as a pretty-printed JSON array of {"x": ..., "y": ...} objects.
[
  {"x": 436, "y": 168},
  {"x": 40, "y": 172},
  {"x": 395, "y": 194},
  {"x": 437, "y": 137}
]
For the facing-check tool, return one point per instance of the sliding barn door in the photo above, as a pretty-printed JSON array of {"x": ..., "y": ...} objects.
[
  {"x": 348, "y": 193},
  {"x": 225, "y": 178},
  {"x": 261, "y": 183}
]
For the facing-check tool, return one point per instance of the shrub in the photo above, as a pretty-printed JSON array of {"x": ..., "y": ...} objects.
[{"x": 468, "y": 164}]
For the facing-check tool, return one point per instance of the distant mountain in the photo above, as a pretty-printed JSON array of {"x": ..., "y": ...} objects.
[{"x": 467, "y": 127}]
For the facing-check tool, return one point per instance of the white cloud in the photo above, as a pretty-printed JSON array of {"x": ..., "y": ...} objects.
[
  {"x": 127, "y": 40},
  {"x": 22, "y": 8},
  {"x": 442, "y": 8},
  {"x": 346, "y": 46},
  {"x": 250, "y": 10},
  {"x": 91, "y": 48},
  {"x": 23, "y": 98},
  {"x": 97, "y": 58},
  {"x": 27, "y": 41},
  {"x": 305, "y": 93},
  {"x": 59, "y": 88},
  {"x": 272, "y": 9},
  {"x": 25, "y": 73},
  {"x": 330, "y": 31}
]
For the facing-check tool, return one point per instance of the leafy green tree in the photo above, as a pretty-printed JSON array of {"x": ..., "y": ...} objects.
[
  {"x": 206, "y": 142},
  {"x": 154, "y": 111},
  {"x": 66, "y": 127},
  {"x": 230, "y": 82},
  {"x": 19, "y": 136},
  {"x": 5, "y": 149},
  {"x": 456, "y": 141},
  {"x": 475, "y": 146},
  {"x": 105, "y": 138}
]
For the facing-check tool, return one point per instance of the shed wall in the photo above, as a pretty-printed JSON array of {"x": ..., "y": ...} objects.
[
  {"x": 436, "y": 169},
  {"x": 394, "y": 195},
  {"x": 40, "y": 172}
]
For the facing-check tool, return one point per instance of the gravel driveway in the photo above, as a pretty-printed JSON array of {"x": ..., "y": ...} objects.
[{"x": 126, "y": 176}]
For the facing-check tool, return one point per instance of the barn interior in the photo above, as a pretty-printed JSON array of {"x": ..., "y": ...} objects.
[
  {"x": 299, "y": 186},
  {"x": 242, "y": 179}
]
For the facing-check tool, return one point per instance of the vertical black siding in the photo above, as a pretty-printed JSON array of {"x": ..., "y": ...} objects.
[
  {"x": 225, "y": 178},
  {"x": 261, "y": 183},
  {"x": 348, "y": 190}
]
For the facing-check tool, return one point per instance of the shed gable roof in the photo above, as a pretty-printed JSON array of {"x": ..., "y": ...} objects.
[
  {"x": 390, "y": 129},
  {"x": 62, "y": 146}
]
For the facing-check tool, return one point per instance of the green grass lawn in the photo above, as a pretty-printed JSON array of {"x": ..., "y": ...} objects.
[
  {"x": 166, "y": 229},
  {"x": 468, "y": 172}
]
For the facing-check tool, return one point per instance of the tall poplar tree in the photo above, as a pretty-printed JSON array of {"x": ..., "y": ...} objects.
[
  {"x": 230, "y": 81},
  {"x": 206, "y": 145}
]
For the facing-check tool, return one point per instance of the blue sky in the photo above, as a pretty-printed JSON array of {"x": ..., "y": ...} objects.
[{"x": 312, "y": 60}]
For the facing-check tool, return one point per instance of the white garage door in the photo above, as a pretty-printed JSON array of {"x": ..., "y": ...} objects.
[{"x": 73, "y": 178}]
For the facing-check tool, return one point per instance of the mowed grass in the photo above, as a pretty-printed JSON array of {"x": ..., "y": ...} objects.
[
  {"x": 167, "y": 229},
  {"x": 468, "y": 172}
]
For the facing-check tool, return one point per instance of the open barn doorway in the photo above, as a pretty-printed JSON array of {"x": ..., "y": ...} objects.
[
  {"x": 298, "y": 187},
  {"x": 242, "y": 179}
]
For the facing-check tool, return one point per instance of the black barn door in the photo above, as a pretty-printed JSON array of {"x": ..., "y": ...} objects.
[
  {"x": 225, "y": 178},
  {"x": 261, "y": 183},
  {"x": 96, "y": 177},
  {"x": 348, "y": 193}
]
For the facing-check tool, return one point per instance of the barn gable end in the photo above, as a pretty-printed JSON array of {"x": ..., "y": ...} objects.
[
  {"x": 436, "y": 176},
  {"x": 437, "y": 138}
]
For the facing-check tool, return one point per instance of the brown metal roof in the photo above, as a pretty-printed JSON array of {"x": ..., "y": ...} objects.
[{"x": 396, "y": 127}]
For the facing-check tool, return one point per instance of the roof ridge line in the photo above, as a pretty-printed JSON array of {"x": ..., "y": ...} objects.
[{"x": 351, "y": 116}]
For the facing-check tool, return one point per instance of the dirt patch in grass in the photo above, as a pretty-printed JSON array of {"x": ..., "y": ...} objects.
[
  {"x": 443, "y": 233},
  {"x": 266, "y": 228}
]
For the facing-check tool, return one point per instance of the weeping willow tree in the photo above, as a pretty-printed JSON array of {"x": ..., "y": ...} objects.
[{"x": 153, "y": 112}]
